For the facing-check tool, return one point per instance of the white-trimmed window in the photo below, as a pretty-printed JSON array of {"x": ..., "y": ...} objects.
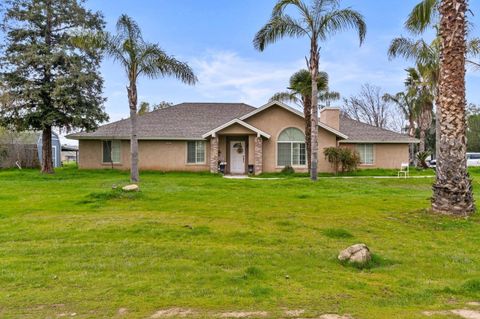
[
  {"x": 196, "y": 152},
  {"x": 291, "y": 149},
  {"x": 367, "y": 156},
  {"x": 111, "y": 151}
]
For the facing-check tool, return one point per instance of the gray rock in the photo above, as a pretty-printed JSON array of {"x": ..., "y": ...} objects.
[
  {"x": 358, "y": 253},
  {"x": 130, "y": 188}
]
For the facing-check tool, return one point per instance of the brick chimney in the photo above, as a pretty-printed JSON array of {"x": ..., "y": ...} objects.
[{"x": 331, "y": 117}]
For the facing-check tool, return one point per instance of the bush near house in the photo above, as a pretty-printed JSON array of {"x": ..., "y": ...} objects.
[{"x": 341, "y": 158}]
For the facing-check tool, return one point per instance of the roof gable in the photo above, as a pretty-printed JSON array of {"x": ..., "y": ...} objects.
[
  {"x": 294, "y": 111},
  {"x": 239, "y": 122}
]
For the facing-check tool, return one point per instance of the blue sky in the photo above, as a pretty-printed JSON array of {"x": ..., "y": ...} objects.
[{"x": 215, "y": 38}]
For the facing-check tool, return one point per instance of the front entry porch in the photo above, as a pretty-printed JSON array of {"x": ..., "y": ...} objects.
[
  {"x": 236, "y": 149},
  {"x": 236, "y": 154}
]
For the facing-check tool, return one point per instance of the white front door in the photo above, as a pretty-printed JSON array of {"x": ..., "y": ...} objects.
[{"x": 237, "y": 157}]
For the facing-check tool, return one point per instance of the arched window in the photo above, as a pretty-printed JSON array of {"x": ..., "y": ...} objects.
[{"x": 291, "y": 148}]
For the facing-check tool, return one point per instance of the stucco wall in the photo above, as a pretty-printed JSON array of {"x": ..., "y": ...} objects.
[
  {"x": 171, "y": 155},
  {"x": 386, "y": 155},
  {"x": 273, "y": 121},
  {"x": 154, "y": 155}
]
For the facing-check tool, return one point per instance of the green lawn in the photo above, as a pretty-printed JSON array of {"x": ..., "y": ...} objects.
[{"x": 71, "y": 244}]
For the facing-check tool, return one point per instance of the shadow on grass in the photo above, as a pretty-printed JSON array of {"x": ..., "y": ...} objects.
[
  {"x": 375, "y": 262},
  {"x": 470, "y": 287},
  {"x": 97, "y": 198},
  {"x": 336, "y": 233}
]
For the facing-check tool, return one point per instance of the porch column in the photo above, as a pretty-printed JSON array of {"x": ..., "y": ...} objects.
[
  {"x": 258, "y": 155},
  {"x": 214, "y": 154}
]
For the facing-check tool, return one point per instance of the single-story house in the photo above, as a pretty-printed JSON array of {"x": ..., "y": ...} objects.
[{"x": 201, "y": 136}]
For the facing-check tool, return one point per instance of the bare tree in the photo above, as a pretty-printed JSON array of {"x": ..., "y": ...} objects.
[{"x": 369, "y": 107}]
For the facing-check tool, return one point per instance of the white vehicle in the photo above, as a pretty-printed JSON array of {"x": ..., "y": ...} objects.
[{"x": 473, "y": 159}]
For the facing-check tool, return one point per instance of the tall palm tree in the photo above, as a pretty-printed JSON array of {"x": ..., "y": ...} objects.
[
  {"x": 452, "y": 192},
  {"x": 140, "y": 58},
  {"x": 299, "y": 92},
  {"x": 421, "y": 86},
  {"x": 317, "y": 21}
]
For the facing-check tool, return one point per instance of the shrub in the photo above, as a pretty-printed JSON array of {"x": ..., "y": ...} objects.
[
  {"x": 342, "y": 158},
  {"x": 422, "y": 159},
  {"x": 288, "y": 170}
]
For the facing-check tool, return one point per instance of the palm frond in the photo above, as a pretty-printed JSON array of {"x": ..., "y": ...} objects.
[
  {"x": 287, "y": 97},
  {"x": 280, "y": 6},
  {"x": 156, "y": 63},
  {"x": 127, "y": 28},
  {"x": 422, "y": 16},
  {"x": 329, "y": 96},
  {"x": 340, "y": 20},
  {"x": 278, "y": 27},
  {"x": 410, "y": 49}
]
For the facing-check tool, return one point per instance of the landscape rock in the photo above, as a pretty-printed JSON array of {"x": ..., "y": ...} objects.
[
  {"x": 358, "y": 253},
  {"x": 131, "y": 188}
]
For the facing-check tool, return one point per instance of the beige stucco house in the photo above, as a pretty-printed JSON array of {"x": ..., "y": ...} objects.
[{"x": 201, "y": 136}]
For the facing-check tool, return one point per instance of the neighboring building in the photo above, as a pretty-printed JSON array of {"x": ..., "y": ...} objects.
[
  {"x": 200, "y": 136},
  {"x": 69, "y": 153},
  {"x": 56, "y": 149}
]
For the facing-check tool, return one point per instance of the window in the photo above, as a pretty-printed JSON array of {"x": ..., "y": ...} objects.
[
  {"x": 196, "y": 152},
  {"x": 366, "y": 153},
  {"x": 111, "y": 151},
  {"x": 291, "y": 149}
]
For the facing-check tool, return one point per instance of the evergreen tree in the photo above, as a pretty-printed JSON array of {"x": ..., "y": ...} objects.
[{"x": 52, "y": 82}]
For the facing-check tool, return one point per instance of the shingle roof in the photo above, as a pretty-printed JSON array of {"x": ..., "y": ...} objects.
[
  {"x": 181, "y": 121},
  {"x": 192, "y": 120},
  {"x": 361, "y": 132}
]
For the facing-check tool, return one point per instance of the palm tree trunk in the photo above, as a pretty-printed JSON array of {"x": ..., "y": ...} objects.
[
  {"x": 452, "y": 192},
  {"x": 422, "y": 140},
  {"x": 307, "y": 111},
  {"x": 314, "y": 60},
  {"x": 132, "y": 100},
  {"x": 47, "y": 161}
]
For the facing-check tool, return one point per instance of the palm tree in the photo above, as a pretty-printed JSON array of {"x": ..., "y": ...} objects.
[
  {"x": 406, "y": 102},
  {"x": 421, "y": 86},
  {"x": 317, "y": 21},
  {"x": 452, "y": 192},
  {"x": 140, "y": 58},
  {"x": 299, "y": 92}
]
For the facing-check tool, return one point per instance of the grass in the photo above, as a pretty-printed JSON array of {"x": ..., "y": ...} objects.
[
  {"x": 359, "y": 173},
  {"x": 70, "y": 243}
]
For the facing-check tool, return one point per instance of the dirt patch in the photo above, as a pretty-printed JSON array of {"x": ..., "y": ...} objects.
[
  {"x": 462, "y": 313},
  {"x": 294, "y": 313},
  {"x": 467, "y": 314},
  {"x": 333, "y": 316},
  {"x": 436, "y": 313},
  {"x": 122, "y": 312},
  {"x": 172, "y": 312},
  {"x": 244, "y": 314},
  {"x": 474, "y": 303}
]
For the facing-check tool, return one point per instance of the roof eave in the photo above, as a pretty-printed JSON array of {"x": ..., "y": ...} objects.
[
  {"x": 149, "y": 138},
  {"x": 415, "y": 141}
]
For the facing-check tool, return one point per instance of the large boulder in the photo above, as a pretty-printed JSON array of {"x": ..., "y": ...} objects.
[
  {"x": 130, "y": 188},
  {"x": 359, "y": 254}
]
